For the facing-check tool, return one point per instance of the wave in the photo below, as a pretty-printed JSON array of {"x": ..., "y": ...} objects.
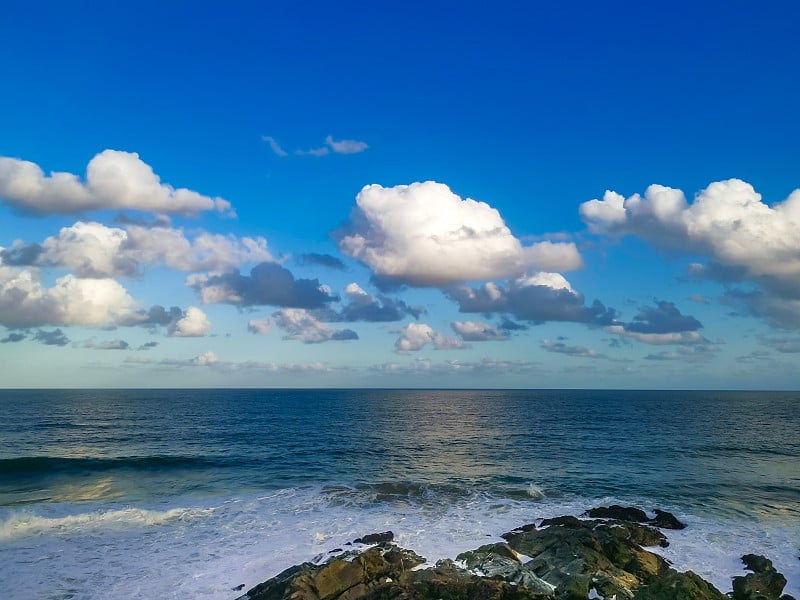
[{"x": 24, "y": 523}]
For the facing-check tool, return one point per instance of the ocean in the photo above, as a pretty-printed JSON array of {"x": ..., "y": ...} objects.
[{"x": 192, "y": 493}]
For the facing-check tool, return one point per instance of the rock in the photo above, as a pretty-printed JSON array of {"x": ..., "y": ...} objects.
[
  {"x": 565, "y": 559},
  {"x": 615, "y": 511},
  {"x": 765, "y": 583},
  {"x": 679, "y": 586},
  {"x": 375, "y": 538},
  {"x": 666, "y": 520}
]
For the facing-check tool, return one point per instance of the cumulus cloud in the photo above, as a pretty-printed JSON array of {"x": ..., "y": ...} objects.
[
  {"x": 25, "y": 302},
  {"x": 267, "y": 284},
  {"x": 661, "y": 324},
  {"x": 694, "y": 353},
  {"x": 20, "y": 254},
  {"x": 91, "y": 249},
  {"x": 302, "y": 326},
  {"x": 114, "y": 180},
  {"x": 485, "y": 366},
  {"x": 363, "y": 306},
  {"x": 194, "y": 323},
  {"x": 260, "y": 326},
  {"x": 425, "y": 235},
  {"x": 415, "y": 336},
  {"x": 576, "y": 351},
  {"x": 537, "y": 298},
  {"x": 742, "y": 237},
  {"x": 56, "y": 337},
  {"x": 475, "y": 331},
  {"x": 13, "y": 337}
]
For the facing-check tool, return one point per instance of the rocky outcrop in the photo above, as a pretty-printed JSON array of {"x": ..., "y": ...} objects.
[
  {"x": 565, "y": 558},
  {"x": 764, "y": 583}
]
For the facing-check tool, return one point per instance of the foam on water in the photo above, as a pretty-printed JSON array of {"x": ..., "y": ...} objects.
[{"x": 204, "y": 551}]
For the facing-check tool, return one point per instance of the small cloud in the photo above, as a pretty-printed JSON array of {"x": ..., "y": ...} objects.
[
  {"x": 475, "y": 331},
  {"x": 194, "y": 323},
  {"x": 147, "y": 346},
  {"x": 13, "y": 337},
  {"x": 698, "y": 298},
  {"x": 323, "y": 260},
  {"x": 56, "y": 337},
  {"x": 274, "y": 145},
  {"x": 577, "y": 351},
  {"x": 300, "y": 325},
  {"x": 260, "y": 326},
  {"x": 346, "y": 146},
  {"x": 106, "y": 345},
  {"x": 415, "y": 336}
]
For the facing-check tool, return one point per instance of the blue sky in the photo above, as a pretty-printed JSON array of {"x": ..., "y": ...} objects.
[{"x": 417, "y": 194}]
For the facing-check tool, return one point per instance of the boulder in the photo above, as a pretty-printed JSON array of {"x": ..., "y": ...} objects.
[
  {"x": 615, "y": 511},
  {"x": 764, "y": 583},
  {"x": 375, "y": 538}
]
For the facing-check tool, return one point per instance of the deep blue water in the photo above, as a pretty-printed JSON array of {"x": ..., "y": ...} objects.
[{"x": 731, "y": 456}]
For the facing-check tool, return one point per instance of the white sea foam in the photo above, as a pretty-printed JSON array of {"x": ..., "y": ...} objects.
[{"x": 206, "y": 551}]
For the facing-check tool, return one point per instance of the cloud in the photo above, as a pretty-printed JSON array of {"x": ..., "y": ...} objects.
[
  {"x": 274, "y": 145},
  {"x": 485, "y": 366},
  {"x": 13, "y": 337},
  {"x": 302, "y": 326},
  {"x": 362, "y": 306},
  {"x": 147, "y": 346},
  {"x": 260, "y": 326},
  {"x": 194, "y": 323},
  {"x": 267, "y": 284},
  {"x": 784, "y": 345},
  {"x": 56, "y": 337},
  {"x": 106, "y": 345},
  {"x": 25, "y": 302},
  {"x": 742, "y": 238},
  {"x": 661, "y": 324},
  {"x": 577, "y": 351},
  {"x": 425, "y": 235},
  {"x": 537, "y": 298},
  {"x": 475, "y": 331},
  {"x": 319, "y": 151},
  {"x": 415, "y": 336},
  {"x": 91, "y": 249},
  {"x": 209, "y": 360},
  {"x": 322, "y": 260},
  {"x": 114, "y": 180},
  {"x": 694, "y": 353},
  {"x": 346, "y": 146},
  {"x": 20, "y": 254},
  {"x": 155, "y": 316}
]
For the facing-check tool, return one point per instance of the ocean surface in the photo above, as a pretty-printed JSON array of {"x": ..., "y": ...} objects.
[{"x": 192, "y": 493}]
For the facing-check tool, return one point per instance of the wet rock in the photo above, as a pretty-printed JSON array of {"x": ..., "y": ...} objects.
[
  {"x": 764, "y": 583},
  {"x": 615, "y": 511},
  {"x": 679, "y": 586},
  {"x": 375, "y": 538},
  {"x": 666, "y": 520}
]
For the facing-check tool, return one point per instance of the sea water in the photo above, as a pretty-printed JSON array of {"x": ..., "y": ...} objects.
[{"x": 194, "y": 493}]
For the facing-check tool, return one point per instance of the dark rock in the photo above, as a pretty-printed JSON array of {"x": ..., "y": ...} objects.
[
  {"x": 679, "y": 586},
  {"x": 238, "y": 588},
  {"x": 375, "y": 538},
  {"x": 615, "y": 511},
  {"x": 666, "y": 520},
  {"x": 765, "y": 583}
]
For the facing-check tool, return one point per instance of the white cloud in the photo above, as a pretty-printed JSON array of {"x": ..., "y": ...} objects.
[
  {"x": 91, "y": 249},
  {"x": 426, "y": 235},
  {"x": 578, "y": 351},
  {"x": 475, "y": 331},
  {"x": 728, "y": 221},
  {"x": 302, "y": 326},
  {"x": 260, "y": 326},
  {"x": 194, "y": 323},
  {"x": 274, "y": 145},
  {"x": 207, "y": 359},
  {"x": 415, "y": 336},
  {"x": 25, "y": 302},
  {"x": 114, "y": 180},
  {"x": 346, "y": 146}
]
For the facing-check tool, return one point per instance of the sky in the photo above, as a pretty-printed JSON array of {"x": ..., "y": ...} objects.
[{"x": 380, "y": 194}]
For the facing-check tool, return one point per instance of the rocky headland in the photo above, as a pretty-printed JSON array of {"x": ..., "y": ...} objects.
[{"x": 602, "y": 555}]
